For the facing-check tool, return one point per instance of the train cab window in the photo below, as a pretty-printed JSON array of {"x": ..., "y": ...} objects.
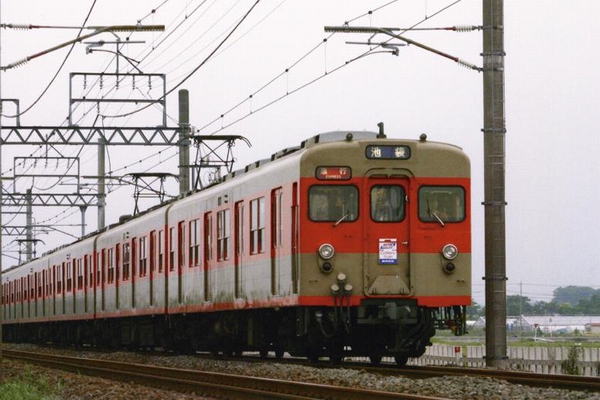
[
  {"x": 441, "y": 204},
  {"x": 333, "y": 203},
  {"x": 387, "y": 203}
]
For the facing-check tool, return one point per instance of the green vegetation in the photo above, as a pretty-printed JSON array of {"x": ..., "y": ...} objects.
[
  {"x": 569, "y": 300},
  {"x": 571, "y": 366},
  {"x": 28, "y": 386}
]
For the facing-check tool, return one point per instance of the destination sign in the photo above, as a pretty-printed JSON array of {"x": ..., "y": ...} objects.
[
  {"x": 334, "y": 173},
  {"x": 388, "y": 152}
]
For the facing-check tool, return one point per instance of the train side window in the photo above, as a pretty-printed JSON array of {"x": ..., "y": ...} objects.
[
  {"x": 126, "y": 261},
  {"x": 143, "y": 256},
  {"x": 171, "y": 249},
  {"x": 111, "y": 266},
  {"x": 69, "y": 277},
  {"x": 223, "y": 234},
  {"x": 161, "y": 253},
  {"x": 387, "y": 203},
  {"x": 333, "y": 203},
  {"x": 181, "y": 245},
  {"x": 208, "y": 242},
  {"x": 59, "y": 278},
  {"x": 194, "y": 250},
  {"x": 257, "y": 226},
  {"x": 152, "y": 252},
  {"x": 441, "y": 203}
]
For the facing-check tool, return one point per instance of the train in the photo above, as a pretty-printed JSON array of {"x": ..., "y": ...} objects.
[{"x": 352, "y": 244}]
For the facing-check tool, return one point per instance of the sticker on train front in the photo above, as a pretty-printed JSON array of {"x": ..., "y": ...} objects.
[{"x": 388, "y": 251}]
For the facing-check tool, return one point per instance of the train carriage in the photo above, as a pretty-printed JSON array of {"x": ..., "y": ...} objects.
[{"x": 350, "y": 244}]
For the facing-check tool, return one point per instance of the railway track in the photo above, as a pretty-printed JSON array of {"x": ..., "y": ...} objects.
[
  {"x": 570, "y": 382},
  {"x": 237, "y": 386},
  {"x": 208, "y": 384}
]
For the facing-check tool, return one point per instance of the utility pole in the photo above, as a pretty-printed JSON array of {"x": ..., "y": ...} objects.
[
  {"x": 101, "y": 184},
  {"x": 29, "y": 224},
  {"x": 494, "y": 132},
  {"x": 1, "y": 190},
  {"x": 184, "y": 141}
]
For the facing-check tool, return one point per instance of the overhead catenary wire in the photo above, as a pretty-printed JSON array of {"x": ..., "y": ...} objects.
[
  {"x": 314, "y": 80},
  {"x": 58, "y": 70},
  {"x": 198, "y": 66}
]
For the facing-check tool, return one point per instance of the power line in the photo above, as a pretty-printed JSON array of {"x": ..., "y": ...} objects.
[
  {"x": 197, "y": 67},
  {"x": 59, "y": 68}
]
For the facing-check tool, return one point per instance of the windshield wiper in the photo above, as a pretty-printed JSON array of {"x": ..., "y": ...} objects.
[
  {"x": 439, "y": 219},
  {"x": 339, "y": 221}
]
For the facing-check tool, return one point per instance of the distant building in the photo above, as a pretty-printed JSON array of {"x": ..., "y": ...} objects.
[
  {"x": 549, "y": 324},
  {"x": 593, "y": 328}
]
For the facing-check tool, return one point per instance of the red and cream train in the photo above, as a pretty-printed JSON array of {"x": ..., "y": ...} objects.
[{"x": 350, "y": 244}]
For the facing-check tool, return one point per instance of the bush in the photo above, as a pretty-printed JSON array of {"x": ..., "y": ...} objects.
[{"x": 570, "y": 366}]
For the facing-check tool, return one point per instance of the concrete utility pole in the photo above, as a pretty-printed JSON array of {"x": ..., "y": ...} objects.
[
  {"x": 29, "y": 225},
  {"x": 494, "y": 132},
  {"x": 1, "y": 190},
  {"x": 184, "y": 141},
  {"x": 101, "y": 184}
]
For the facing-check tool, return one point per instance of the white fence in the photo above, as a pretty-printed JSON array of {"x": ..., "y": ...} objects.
[{"x": 548, "y": 360}]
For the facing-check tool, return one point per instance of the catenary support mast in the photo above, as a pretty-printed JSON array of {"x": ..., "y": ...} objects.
[
  {"x": 184, "y": 141},
  {"x": 494, "y": 132}
]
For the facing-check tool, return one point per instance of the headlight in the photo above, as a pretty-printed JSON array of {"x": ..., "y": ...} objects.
[
  {"x": 450, "y": 252},
  {"x": 326, "y": 251}
]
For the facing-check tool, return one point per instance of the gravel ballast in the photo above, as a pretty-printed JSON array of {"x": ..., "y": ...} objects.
[{"x": 74, "y": 386}]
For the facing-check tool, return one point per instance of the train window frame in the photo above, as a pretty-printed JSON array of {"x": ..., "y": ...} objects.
[
  {"x": 194, "y": 243},
  {"x": 257, "y": 225},
  {"x": 321, "y": 196},
  {"x": 143, "y": 256},
  {"x": 181, "y": 242},
  {"x": 381, "y": 204},
  {"x": 223, "y": 234},
  {"x": 425, "y": 206},
  {"x": 111, "y": 265},
  {"x": 161, "y": 253},
  {"x": 126, "y": 260}
]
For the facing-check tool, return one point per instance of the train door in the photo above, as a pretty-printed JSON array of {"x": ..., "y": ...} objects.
[
  {"x": 238, "y": 245},
  {"x": 294, "y": 236},
  {"x": 207, "y": 264},
  {"x": 276, "y": 240},
  {"x": 387, "y": 269},
  {"x": 180, "y": 260},
  {"x": 152, "y": 266}
]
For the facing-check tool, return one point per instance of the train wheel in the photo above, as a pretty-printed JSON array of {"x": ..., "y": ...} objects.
[
  {"x": 279, "y": 353},
  {"x": 401, "y": 360},
  {"x": 336, "y": 360},
  {"x": 375, "y": 359},
  {"x": 264, "y": 353}
]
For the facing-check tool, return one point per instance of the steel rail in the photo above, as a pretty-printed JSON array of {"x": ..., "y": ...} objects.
[{"x": 205, "y": 383}]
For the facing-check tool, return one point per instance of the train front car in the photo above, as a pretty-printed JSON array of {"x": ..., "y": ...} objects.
[{"x": 384, "y": 245}]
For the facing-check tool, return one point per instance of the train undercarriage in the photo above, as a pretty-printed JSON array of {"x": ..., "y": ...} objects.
[{"x": 375, "y": 330}]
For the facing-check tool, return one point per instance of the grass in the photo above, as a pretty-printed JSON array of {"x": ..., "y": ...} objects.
[{"x": 28, "y": 386}]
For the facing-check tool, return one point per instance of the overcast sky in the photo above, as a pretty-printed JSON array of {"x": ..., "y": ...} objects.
[{"x": 552, "y": 102}]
